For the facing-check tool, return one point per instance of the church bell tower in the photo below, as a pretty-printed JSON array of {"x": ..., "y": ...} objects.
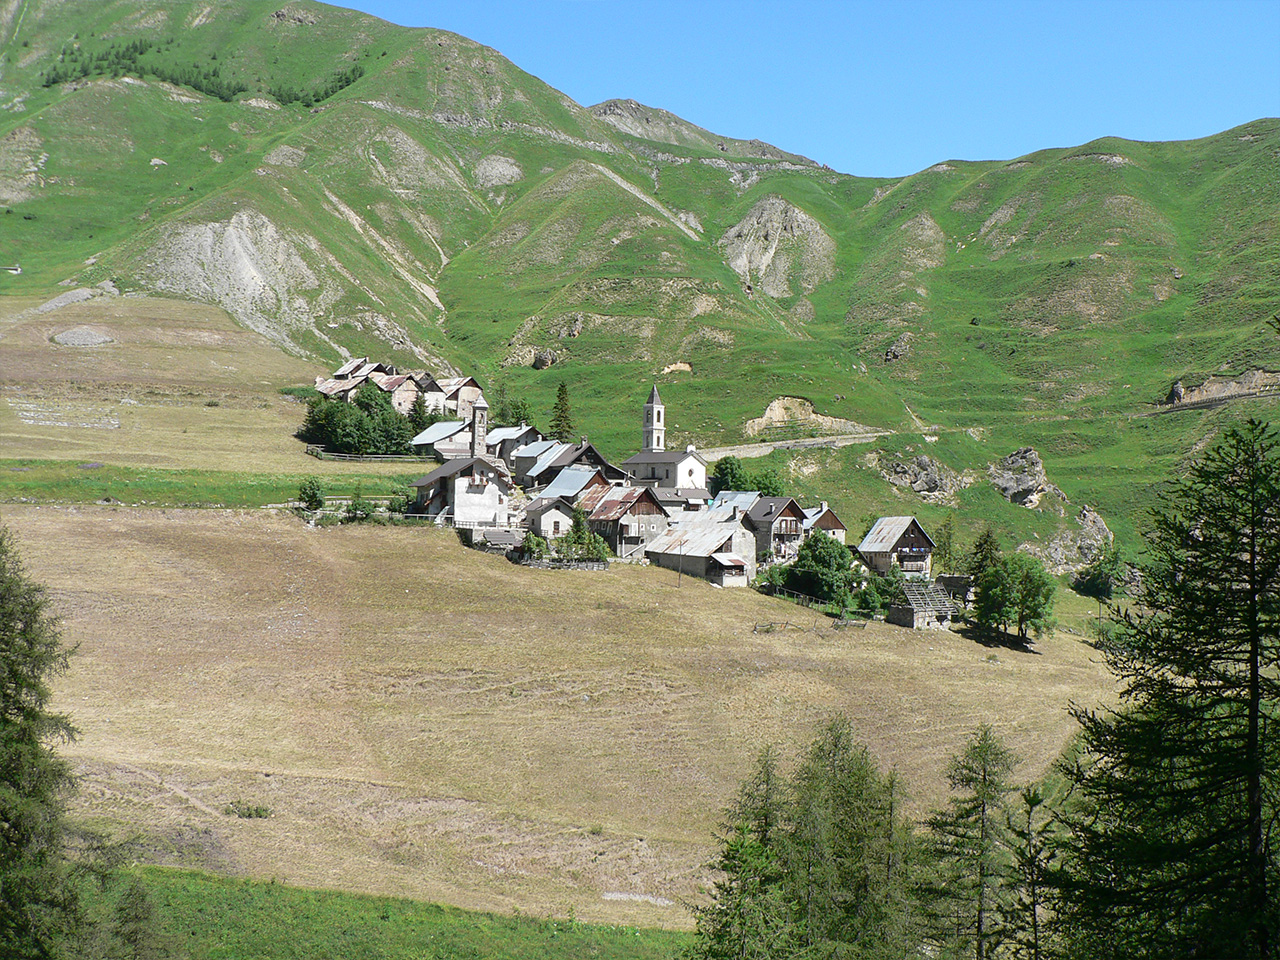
[{"x": 655, "y": 426}]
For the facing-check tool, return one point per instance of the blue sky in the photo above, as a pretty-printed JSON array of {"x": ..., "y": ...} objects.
[{"x": 887, "y": 89}]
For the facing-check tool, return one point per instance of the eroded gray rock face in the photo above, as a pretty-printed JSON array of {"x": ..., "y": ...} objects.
[
  {"x": 777, "y": 245},
  {"x": 933, "y": 480},
  {"x": 544, "y": 358},
  {"x": 1021, "y": 479},
  {"x": 1072, "y": 550}
]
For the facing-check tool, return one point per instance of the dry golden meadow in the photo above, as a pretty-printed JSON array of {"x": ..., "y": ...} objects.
[
  {"x": 426, "y": 720},
  {"x": 421, "y": 719},
  {"x": 175, "y": 385}
]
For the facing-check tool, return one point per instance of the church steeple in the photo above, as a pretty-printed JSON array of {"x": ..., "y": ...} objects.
[{"x": 655, "y": 426}]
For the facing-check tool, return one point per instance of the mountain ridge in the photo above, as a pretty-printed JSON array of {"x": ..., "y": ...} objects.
[{"x": 446, "y": 209}]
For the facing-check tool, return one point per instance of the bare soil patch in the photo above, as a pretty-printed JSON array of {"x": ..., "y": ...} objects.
[{"x": 437, "y": 723}]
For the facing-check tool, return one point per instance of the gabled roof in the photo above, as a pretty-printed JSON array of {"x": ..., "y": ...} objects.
[
  {"x": 442, "y": 430},
  {"x": 743, "y": 499},
  {"x": 535, "y": 449},
  {"x": 336, "y": 387},
  {"x": 693, "y": 539},
  {"x": 768, "y": 509},
  {"x": 564, "y": 454},
  {"x": 887, "y": 532},
  {"x": 613, "y": 503},
  {"x": 503, "y": 434},
  {"x": 663, "y": 456},
  {"x": 544, "y": 503},
  {"x": 451, "y": 468},
  {"x": 813, "y": 514},
  {"x": 570, "y": 481},
  {"x": 350, "y": 367},
  {"x": 426, "y": 382},
  {"x": 389, "y": 381},
  {"x": 451, "y": 385},
  {"x": 547, "y": 458}
]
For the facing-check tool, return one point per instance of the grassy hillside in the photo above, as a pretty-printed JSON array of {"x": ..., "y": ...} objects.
[{"x": 413, "y": 195}]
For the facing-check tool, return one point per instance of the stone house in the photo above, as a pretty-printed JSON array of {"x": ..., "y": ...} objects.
[
  {"x": 550, "y": 517},
  {"x": 823, "y": 518},
  {"x": 778, "y": 524},
  {"x": 460, "y": 395},
  {"x": 504, "y": 441},
  {"x": 465, "y": 492},
  {"x": 537, "y": 464},
  {"x": 900, "y": 542},
  {"x": 627, "y": 517},
  {"x": 719, "y": 549}
]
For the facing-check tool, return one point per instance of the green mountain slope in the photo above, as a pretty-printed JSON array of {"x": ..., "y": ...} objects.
[{"x": 418, "y": 197}]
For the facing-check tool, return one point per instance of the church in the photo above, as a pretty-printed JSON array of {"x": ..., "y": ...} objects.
[{"x": 655, "y": 465}]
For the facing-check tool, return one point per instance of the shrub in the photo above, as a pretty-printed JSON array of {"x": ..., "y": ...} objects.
[{"x": 311, "y": 494}]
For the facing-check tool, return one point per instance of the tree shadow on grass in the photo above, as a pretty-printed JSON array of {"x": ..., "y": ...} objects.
[{"x": 987, "y": 637}]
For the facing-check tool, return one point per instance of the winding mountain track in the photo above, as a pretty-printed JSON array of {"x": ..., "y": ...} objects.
[{"x": 763, "y": 448}]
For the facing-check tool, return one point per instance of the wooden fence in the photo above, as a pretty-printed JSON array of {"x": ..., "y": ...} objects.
[{"x": 313, "y": 450}]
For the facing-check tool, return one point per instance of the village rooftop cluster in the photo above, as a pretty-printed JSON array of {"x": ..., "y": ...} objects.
[{"x": 498, "y": 482}]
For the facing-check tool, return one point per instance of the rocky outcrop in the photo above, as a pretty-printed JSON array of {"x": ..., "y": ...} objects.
[
  {"x": 497, "y": 171},
  {"x": 798, "y": 412},
  {"x": 1021, "y": 479},
  {"x": 933, "y": 480},
  {"x": 899, "y": 348},
  {"x": 777, "y": 245},
  {"x": 1220, "y": 389},
  {"x": 1072, "y": 550}
]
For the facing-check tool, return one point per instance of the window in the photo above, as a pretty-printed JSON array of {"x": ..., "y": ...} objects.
[{"x": 555, "y": 526}]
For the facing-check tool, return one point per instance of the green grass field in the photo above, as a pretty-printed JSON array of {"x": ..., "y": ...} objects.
[{"x": 205, "y": 917}]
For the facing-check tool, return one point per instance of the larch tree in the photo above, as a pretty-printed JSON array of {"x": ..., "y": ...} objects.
[
  {"x": 1172, "y": 850},
  {"x": 38, "y": 909},
  {"x": 971, "y": 849}
]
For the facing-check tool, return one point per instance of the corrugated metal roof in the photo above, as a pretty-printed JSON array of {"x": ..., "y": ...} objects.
[
  {"x": 547, "y": 458},
  {"x": 612, "y": 503},
  {"x": 331, "y": 388},
  {"x": 502, "y": 434},
  {"x": 535, "y": 449},
  {"x": 743, "y": 499},
  {"x": 442, "y": 430},
  {"x": 730, "y": 560},
  {"x": 570, "y": 481},
  {"x": 693, "y": 539},
  {"x": 350, "y": 367},
  {"x": 884, "y": 534}
]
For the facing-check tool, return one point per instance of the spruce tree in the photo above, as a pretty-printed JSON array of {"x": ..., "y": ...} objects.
[
  {"x": 561, "y": 427},
  {"x": 38, "y": 908},
  {"x": 1169, "y": 853}
]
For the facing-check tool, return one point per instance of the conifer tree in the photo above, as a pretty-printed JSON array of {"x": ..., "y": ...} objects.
[
  {"x": 38, "y": 908},
  {"x": 971, "y": 847},
  {"x": 1170, "y": 852},
  {"x": 561, "y": 427}
]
